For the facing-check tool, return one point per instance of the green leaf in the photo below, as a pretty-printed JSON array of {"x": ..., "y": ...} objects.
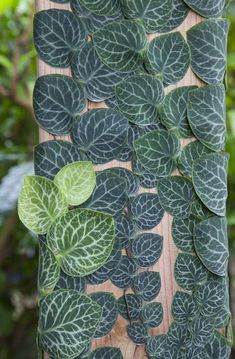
[
  {"x": 51, "y": 156},
  {"x": 123, "y": 275},
  {"x": 102, "y": 7},
  {"x": 218, "y": 348},
  {"x": 57, "y": 100},
  {"x": 48, "y": 270},
  {"x": 101, "y": 134},
  {"x": 222, "y": 318},
  {"x": 67, "y": 322},
  {"x": 189, "y": 271},
  {"x": 182, "y": 233},
  {"x": 146, "y": 249},
  {"x": 131, "y": 179},
  {"x": 147, "y": 285},
  {"x": 68, "y": 282},
  {"x": 86, "y": 243},
  {"x": 183, "y": 308},
  {"x": 98, "y": 78},
  {"x": 206, "y": 114},
  {"x": 199, "y": 210},
  {"x": 157, "y": 152},
  {"x": 54, "y": 45},
  {"x": 76, "y": 181},
  {"x": 178, "y": 14},
  {"x": 178, "y": 337},
  {"x": 211, "y": 244},
  {"x": 137, "y": 332},
  {"x": 191, "y": 152},
  {"x": 40, "y": 203},
  {"x": 173, "y": 112},
  {"x": 156, "y": 346},
  {"x": 168, "y": 55},
  {"x": 201, "y": 330},
  {"x": 152, "y": 314},
  {"x": 146, "y": 178},
  {"x": 129, "y": 306},
  {"x": 138, "y": 98},
  {"x": 176, "y": 196},
  {"x": 108, "y": 303},
  {"x": 208, "y": 8},
  {"x": 106, "y": 353},
  {"x": 120, "y": 45},
  {"x": 152, "y": 13},
  {"x": 146, "y": 210},
  {"x": 208, "y": 46},
  {"x": 125, "y": 230},
  {"x": 210, "y": 181}
]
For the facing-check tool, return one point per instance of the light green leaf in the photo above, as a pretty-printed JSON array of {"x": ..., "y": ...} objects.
[
  {"x": 138, "y": 98},
  {"x": 208, "y": 45},
  {"x": 211, "y": 244},
  {"x": 40, "y": 203},
  {"x": 77, "y": 181},
  {"x": 102, "y": 7},
  {"x": 168, "y": 55},
  {"x": 210, "y": 181},
  {"x": 67, "y": 322},
  {"x": 157, "y": 152},
  {"x": 120, "y": 45},
  {"x": 178, "y": 14},
  {"x": 206, "y": 8},
  {"x": 86, "y": 243}
]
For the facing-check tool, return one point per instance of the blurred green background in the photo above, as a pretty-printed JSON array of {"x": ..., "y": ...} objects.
[{"x": 18, "y": 134}]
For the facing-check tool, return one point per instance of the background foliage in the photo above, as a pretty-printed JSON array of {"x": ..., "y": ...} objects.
[{"x": 18, "y": 134}]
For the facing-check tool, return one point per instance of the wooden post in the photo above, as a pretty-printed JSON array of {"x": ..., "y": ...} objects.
[{"x": 118, "y": 336}]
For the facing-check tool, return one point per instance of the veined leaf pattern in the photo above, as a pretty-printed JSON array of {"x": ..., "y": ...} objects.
[
  {"x": 67, "y": 322},
  {"x": 178, "y": 14},
  {"x": 146, "y": 249},
  {"x": 67, "y": 282},
  {"x": 147, "y": 285},
  {"x": 82, "y": 240},
  {"x": 56, "y": 34},
  {"x": 184, "y": 307},
  {"x": 156, "y": 346},
  {"x": 125, "y": 230},
  {"x": 106, "y": 353},
  {"x": 218, "y": 348},
  {"x": 183, "y": 233},
  {"x": 145, "y": 177},
  {"x": 202, "y": 331},
  {"x": 178, "y": 338},
  {"x": 151, "y": 314},
  {"x": 131, "y": 180},
  {"x": 102, "y": 7},
  {"x": 120, "y": 45},
  {"x": 123, "y": 275},
  {"x": 207, "y": 8},
  {"x": 129, "y": 306},
  {"x": 40, "y": 203},
  {"x": 137, "y": 332}
]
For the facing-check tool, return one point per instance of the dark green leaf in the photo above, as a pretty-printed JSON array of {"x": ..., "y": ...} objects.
[
  {"x": 102, "y": 7},
  {"x": 201, "y": 330},
  {"x": 106, "y": 353},
  {"x": 147, "y": 285},
  {"x": 146, "y": 179},
  {"x": 152, "y": 314},
  {"x": 184, "y": 307},
  {"x": 125, "y": 272},
  {"x": 178, "y": 14},
  {"x": 129, "y": 306},
  {"x": 218, "y": 348},
  {"x": 182, "y": 233},
  {"x": 146, "y": 249},
  {"x": 68, "y": 282},
  {"x": 132, "y": 183},
  {"x": 156, "y": 346},
  {"x": 208, "y": 8},
  {"x": 178, "y": 336},
  {"x": 125, "y": 230},
  {"x": 138, "y": 333}
]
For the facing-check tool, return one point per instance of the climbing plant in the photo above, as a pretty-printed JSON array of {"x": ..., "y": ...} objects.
[{"x": 89, "y": 221}]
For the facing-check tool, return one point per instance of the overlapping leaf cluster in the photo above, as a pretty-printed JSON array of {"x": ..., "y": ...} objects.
[{"x": 106, "y": 45}]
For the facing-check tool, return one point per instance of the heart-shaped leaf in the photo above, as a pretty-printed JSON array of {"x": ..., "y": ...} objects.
[
  {"x": 125, "y": 272},
  {"x": 210, "y": 181},
  {"x": 125, "y": 230},
  {"x": 131, "y": 179},
  {"x": 147, "y": 285},
  {"x": 146, "y": 249},
  {"x": 211, "y": 244},
  {"x": 138, "y": 98},
  {"x": 146, "y": 178},
  {"x": 152, "y": 13},
  {"x": 138, "y": 333},
  {"x": 157, "y": 152},
  {"x": 173, "y": 112},
  {"x": 168, "y": 55},
  {"x": 176, "y": 195},
  {"x": 146, "y": 211},
  {"x": 98, "y": 78},
  {"x": 51, "y": 156},
  {"x": 152, "y": 314},
  {"x": 184, "y": 307},
  {"x": 100, "y": 133},
  {"x": 54, "y": 45},
  {"x": 57, "y": 100},
  {"x": 218, "y": 348},
  {"x": 76, "y": 181},
  {"x": 68, "y": 282},
  {"x": 208, "y": 46},
  {"x": 199, "y": 210},
  {"x": 108, "y": 303},
  {"x": 87, "y": 240},
  {"x": 129, "y": 306},
  {"x": 178, "y": 338},
  {"x": 102, "y": 7},
  {"x": 40, "y": 203},
  {"x": 208, "y": 8},
  {"x": 120, "y": 45},
  {"x": 189, "y": 271},
  {"x": 67, "y": 322},
  {"x": 156, "y": 346},
  {"x": 202, "y": 331},
  {"x": 183, "y": 232},
  {"x": 106, "y": 353},
  {"x": 206, "y": 114},
  {"x": 178, "y": 14}
]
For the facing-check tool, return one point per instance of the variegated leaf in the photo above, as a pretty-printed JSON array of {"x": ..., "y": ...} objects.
[
  {"x": 151, "y": 314},
  {"x": 132, "y": 182},
  {"x": 67, "y": 322},
  {"x": 147, "y": 285},
  {"x": 178, "y": 338},
  {"x": 182, "y": 233},
  {"x": 67, "y": 282},
  {"x": 183, "y": 308},
  {"x": 54, "y": 45},
  {"x": 156, "y": 346},
  {"x": 206, "y": 8},
  {"x": 86, "y": 241},
  {"x": 120, "y": 45},
  {"x": 208, "y": 46},
  {"x": 76, "y": 181},
  {"x": 206, "y": 114},
  {"x": 176, "y": 196},
  {"x": 157, "y": 151},
  {"x": 106, "y": 353},
  {"x": 125, "y": 230},
  {"x": 168, "y": 56},
  {"x": 40, "y": 203},
  {"x": 189, "y": 271},
  {"x": 129, "y": 306},
  {"x": 51, "y": 156},
  {"x": 138, "y": 333},
  {"x": 102, "y": 7},
  {"x": 123, "y": 275},
  {"x": 211, "y": 244},
  {"x": 218, "y": 348},
  {"x": 57, "y": 100},
  {"x": 146, "y": 249},
  {"x": 178, "y": 14},
  {"x": 100, "y": 133},
  {"x": 202, "y": 331},
  {"x": 109, "y": 306},
  {"x": 199, "y": 210},
  {"x": 210, "y": 181},
  {"x": 173, "y": 112},
  {"x": 146, "y": 210}
]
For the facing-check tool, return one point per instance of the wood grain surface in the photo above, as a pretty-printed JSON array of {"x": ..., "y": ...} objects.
[{"x": 165, "y": 265}]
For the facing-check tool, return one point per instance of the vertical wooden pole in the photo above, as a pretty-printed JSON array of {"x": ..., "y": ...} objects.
[{"x": 118, "y": 336}]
